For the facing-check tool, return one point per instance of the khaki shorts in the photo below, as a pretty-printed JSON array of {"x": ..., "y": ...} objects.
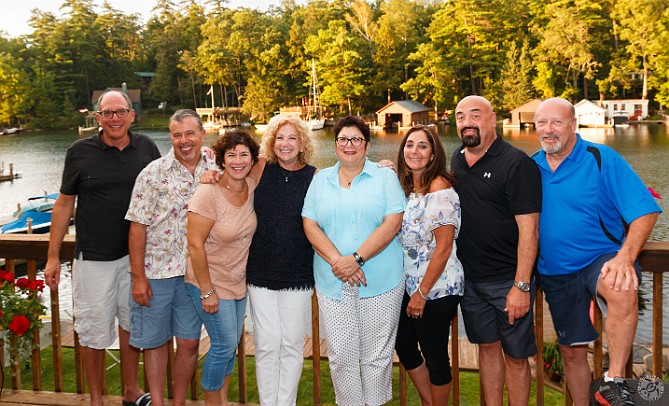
[{"x": 101, "y": 294}]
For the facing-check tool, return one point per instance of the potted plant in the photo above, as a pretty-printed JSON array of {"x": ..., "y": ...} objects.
[
  {"x": 20, "y": 311},
  {"x": 553, "y": 361}
]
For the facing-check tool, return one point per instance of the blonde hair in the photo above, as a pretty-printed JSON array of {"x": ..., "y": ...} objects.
[{"x": 303, "y": 134}]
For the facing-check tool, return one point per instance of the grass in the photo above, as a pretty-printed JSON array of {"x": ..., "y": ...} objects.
[{"x": 469, "y": 382}]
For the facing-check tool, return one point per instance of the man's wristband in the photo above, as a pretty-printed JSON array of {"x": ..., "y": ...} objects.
[
  {"x": 359, "y": 259},
  {"x": 206, "y": 295}
]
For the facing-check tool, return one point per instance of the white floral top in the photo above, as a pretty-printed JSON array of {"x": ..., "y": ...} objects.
[
  {"x": 160, "y": 201},
  {"x": 423, "y": 214}
]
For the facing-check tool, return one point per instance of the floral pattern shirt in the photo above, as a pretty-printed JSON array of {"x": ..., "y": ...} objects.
[
  {"x": 160, "y": 201},
  {"x": 423, "y": 214}
]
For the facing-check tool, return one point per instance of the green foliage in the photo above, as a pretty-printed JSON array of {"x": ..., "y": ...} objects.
[{"x": 367, "y": 52}]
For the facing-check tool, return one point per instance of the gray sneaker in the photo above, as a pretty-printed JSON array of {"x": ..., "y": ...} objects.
[{"x": 615, "y": 393}]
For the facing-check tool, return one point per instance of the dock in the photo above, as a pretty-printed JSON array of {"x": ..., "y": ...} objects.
[{"x": 10, "y": 176}]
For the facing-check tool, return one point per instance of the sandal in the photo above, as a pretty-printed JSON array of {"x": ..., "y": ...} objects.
[{"x": 143, "y": 400}]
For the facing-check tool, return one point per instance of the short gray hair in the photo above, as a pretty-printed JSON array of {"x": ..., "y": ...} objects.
[{"x": 182, "y": 114}]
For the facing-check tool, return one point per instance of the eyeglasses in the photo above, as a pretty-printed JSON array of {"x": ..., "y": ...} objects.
[
  {"x": 355, "y": 141},
  {"x": 120, "y": 113}
]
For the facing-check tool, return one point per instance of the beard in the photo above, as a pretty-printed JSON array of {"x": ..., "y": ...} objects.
[
  {"x": 552, "y": 148},
  {"x": 471, "y": 140}
]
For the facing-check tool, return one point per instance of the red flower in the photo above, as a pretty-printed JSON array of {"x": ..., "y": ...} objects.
[
  {"x": 19, "y": 325},
  {"x": 8, "y": 276},
  {"x": 0, "y": 313},
  {"x": 22, "y": 283},
  {"x": 37, "y": 284}
]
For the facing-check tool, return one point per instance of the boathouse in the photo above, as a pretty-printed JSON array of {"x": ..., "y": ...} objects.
[
  {"x": 524, "y": 115},
  {"x": 635, "y": 109},
  {"x": 402, "y": 114},
  {"x": 588, "y": 114}
]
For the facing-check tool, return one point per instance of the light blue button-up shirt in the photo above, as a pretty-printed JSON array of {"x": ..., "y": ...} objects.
[{"x": 348, "y": 217}]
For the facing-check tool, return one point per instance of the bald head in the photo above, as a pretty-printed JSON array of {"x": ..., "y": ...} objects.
[
  {"x": 555, "y": 122},
  {"x": 476, "y": 122}
]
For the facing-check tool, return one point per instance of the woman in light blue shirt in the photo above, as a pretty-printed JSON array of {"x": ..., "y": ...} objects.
[{"x": 352, "y": 213}]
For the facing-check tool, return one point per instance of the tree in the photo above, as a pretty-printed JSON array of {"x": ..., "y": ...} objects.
[{"x": 516, "y": 77}]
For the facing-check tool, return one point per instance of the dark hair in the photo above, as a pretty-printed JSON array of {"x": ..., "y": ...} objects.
[
  {"x": 435, "y": 168},
  {"x": 352, "y": 121},
  {"x": 230, "y": 140},
  {"x": 182, "y": 114}
]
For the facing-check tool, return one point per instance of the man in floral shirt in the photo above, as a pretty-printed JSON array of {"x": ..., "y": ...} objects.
[{"x": 160, "y": 307}]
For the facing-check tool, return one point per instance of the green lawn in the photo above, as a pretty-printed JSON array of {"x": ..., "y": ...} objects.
[{"x": 469, "y": 382}]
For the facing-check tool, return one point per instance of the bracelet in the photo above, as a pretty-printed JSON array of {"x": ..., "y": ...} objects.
[
  {"x": 420, "y": 292},
  {"x": 359, "y": 259},
  {"x": 206, "y": 295}
]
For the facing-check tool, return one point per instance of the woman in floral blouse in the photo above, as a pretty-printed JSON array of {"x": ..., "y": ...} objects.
[{"x": 434, "y": 275}]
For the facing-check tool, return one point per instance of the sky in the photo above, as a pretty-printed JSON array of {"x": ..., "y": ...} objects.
[{"x": 14, "y": 14}]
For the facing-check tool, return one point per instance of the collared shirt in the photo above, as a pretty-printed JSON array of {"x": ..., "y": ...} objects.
[
  {"x": 102, "y": 177},
  {"x": 583, "y": 202},
  {"x": 160, "y": 201},
  {"x": 348, "y": 217},
  {"x": 503, "y": 183}
]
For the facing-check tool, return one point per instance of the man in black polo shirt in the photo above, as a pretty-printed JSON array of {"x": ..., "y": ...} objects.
[
  {"x": 500, "y": 196},
  {"x": 100, "y": 173}
]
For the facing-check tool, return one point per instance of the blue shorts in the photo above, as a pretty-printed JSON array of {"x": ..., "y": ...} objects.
[
  {"x": 172, "y": 313},
  {"x": 486, "y": 321},
  {"x": 569, "y": 298}
]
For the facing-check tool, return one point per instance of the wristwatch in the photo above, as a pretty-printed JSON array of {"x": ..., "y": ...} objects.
[
  {"x": 359, "y": 259},
  {"x": 524, "y": 286}
]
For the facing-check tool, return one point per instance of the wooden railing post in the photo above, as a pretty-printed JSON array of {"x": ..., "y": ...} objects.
[
  {"x": 316, "y": 349},
  {"x": 539, "y": 336},
  {"x": 241, "y": 366},
  {"x": 657, "y": 323}
]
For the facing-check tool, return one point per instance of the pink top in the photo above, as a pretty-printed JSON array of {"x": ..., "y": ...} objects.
[{"x": 228, "y": 243}]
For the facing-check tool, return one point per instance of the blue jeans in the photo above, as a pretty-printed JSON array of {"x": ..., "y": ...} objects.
[{"x": 224, "y": 329}]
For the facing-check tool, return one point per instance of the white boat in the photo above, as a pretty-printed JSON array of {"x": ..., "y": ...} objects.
[{"x": 315, "y": 112}]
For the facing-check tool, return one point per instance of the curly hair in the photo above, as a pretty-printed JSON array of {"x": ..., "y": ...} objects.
[
  {"x": 307, "y": 146},
  {"x": 230, "y": 140},
  {"x": 352, "y": 121},
  {"x": 435, "y": 168}
]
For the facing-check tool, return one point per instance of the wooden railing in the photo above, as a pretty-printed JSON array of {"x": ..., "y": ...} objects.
[{"x": 654, "y": 259}]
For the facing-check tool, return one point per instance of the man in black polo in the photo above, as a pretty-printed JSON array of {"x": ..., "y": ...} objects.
[
  {"x": 99, "y": 174},
  {"x": 500, "y": 196}
]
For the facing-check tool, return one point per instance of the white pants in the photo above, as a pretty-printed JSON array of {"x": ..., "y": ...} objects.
[
  {"x": 278, "y": 335},
  {"x": 361, "y": 340}
]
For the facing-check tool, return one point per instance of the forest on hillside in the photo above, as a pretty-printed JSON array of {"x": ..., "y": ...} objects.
[{"x": 366, "y": 53}]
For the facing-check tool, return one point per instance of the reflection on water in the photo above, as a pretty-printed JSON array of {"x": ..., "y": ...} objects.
[{"x": 39, "y": 157}]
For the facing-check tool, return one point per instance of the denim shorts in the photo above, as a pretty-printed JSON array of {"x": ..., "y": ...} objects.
[
  {"x": 486, "y": 321},
  {"x": 224, "y": 329},
  {"x": 569, "y": 296},
  {"x": 171, "y": 314}
]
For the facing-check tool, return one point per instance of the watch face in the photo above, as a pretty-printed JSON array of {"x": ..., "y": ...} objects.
[{"x": 524, "y": 286}]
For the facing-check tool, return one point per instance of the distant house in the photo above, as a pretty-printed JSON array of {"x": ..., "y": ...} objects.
[
  {"x": 635, "y": 109},
  {"x": 523, "y": 115},
  {"x": 134, "y": 94},
  {"x": 402, "y": 113},
  {"x": 589, "y": 114}
]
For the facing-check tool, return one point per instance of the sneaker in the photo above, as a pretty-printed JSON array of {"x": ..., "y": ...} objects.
[{"x": 615, "y": 393}]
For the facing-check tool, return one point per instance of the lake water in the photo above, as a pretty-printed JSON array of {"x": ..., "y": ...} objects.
[{"x": 38, "y": 157}]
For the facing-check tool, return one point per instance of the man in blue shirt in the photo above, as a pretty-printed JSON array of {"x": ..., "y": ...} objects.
[{"x": 596, "y": 216}]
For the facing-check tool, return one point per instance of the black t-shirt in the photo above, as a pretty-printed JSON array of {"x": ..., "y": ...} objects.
[
  {"x": 102, "y": 177},
  {"x": 505, "y": 182},
  {"x": 281, "y": 256}
]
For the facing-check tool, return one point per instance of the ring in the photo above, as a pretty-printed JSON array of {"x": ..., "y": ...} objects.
[{"x": 416, "y": 314}]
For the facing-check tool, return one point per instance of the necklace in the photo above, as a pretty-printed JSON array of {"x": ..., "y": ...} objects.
[
  {"x": 349, "y": 182},
  {"x": 233, "y": 190},
  {"x": 284, "y": 173}
]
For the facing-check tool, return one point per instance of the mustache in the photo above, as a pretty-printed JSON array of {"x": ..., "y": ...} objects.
[{"x": 470, "y": 127}]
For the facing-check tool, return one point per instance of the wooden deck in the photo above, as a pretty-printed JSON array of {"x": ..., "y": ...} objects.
[{"x": 25, "y": 397}]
